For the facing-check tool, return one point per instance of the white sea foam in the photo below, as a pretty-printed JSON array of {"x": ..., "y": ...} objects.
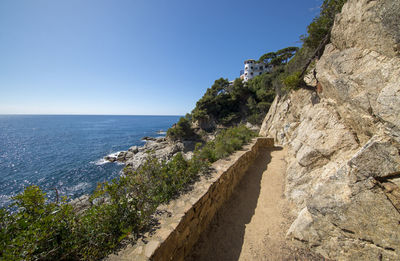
[
  {"x": 102, "y": 161},
  {"x": 79, "y": 186},
  {"x": 114, "y": 154}
]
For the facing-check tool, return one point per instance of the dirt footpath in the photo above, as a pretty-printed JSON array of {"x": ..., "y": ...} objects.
[{"x": 253, "y": 223}]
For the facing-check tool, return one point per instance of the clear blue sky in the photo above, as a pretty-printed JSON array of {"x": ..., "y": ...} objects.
[{"x": 133, "y": 56}]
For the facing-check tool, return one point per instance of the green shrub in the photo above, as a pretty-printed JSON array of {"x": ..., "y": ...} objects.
[
  {"x": 39, "y": 230},
  {"x": 292, "y": 81},
  {"x": 181, "y": 130},
  {"x": 256, "y": 118},
  {"x": 230, "y": 119},
  {"x": 228, "y": 104},
  {"x": 50, "y": 230},
  {"x": 321, "y": 25},
  {"x": 226, "y": 142}
]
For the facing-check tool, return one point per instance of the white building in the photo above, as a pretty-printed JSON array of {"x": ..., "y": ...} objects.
[{"x": 252, "y": 69}]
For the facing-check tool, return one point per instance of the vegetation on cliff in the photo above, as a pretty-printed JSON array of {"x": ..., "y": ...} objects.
[
  {"x": 46, "y": 229},
  {"x": 182, "y": 130},
  {"x": 314, "y": 42},
  {"x": 228, "y": 104}
]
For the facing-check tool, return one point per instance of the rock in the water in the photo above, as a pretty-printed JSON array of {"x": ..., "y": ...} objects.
[
  {"x": 147, "y": 138},
  {"x": 110, "y": 158},
  {"x": 121, "y": 156}
]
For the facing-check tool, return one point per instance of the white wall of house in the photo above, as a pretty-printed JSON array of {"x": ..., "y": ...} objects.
[{"x": 253, "y": 69}]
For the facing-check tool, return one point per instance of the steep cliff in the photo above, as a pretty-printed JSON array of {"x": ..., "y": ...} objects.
[{"x": 344, "y": 141}]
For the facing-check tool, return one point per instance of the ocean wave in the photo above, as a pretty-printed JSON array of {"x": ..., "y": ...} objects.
[
  {"x": 78, "y": 187},
  {"x": 102, "y": 161}
]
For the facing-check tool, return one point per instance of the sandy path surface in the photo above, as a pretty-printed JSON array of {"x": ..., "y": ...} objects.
[{"x": 253, "y": 223}]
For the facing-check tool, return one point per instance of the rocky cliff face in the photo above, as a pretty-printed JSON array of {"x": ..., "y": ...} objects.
[{"x": 344, "y": 143}]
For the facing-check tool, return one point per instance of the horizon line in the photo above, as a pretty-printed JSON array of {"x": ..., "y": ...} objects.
[{"x": 66, "y": 114}]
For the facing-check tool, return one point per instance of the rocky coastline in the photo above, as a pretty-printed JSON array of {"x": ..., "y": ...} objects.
[{"x": 161, "y": 148}]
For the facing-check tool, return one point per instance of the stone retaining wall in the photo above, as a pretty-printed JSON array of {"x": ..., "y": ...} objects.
[{"x": 183, "y": 220}]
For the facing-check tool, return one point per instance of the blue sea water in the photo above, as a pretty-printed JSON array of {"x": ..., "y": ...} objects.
[{"x": 65, "y": 152}]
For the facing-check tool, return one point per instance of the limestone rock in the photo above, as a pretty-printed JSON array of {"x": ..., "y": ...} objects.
[
  {"x": 207, "y": 124},
  {"x": 110, "y": 158},
  {"x": 378, "y": 158},
  {"x": 158, "y": 148},
  {"x": 134, "y": 149},
  {"x": 360, "y": 70},
  {"x": 129, "y": 155},
  {"x": 121, "y": 156},
  {"x": 80, "y": 204},
  {"x": 343, "y": 173},
  {"x": 310, "y": 77},
  {"x": 371, "y": 25},
  {"x": 365, "y": 87},
  {"x": 147, "y": 138}
]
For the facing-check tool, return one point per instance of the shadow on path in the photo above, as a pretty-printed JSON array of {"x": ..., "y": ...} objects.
[{"x": 224, "y": 238}]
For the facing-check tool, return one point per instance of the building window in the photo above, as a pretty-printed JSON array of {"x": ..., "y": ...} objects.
[
  {"x": 245, "y": 74},
  {"x": 251, "y": 73},
  {"x": 260, "y": 73},
  {"x": 251, "y": 67},
  {"x": 261, "y": 68},
  {"x": 246, "y": 68}
]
